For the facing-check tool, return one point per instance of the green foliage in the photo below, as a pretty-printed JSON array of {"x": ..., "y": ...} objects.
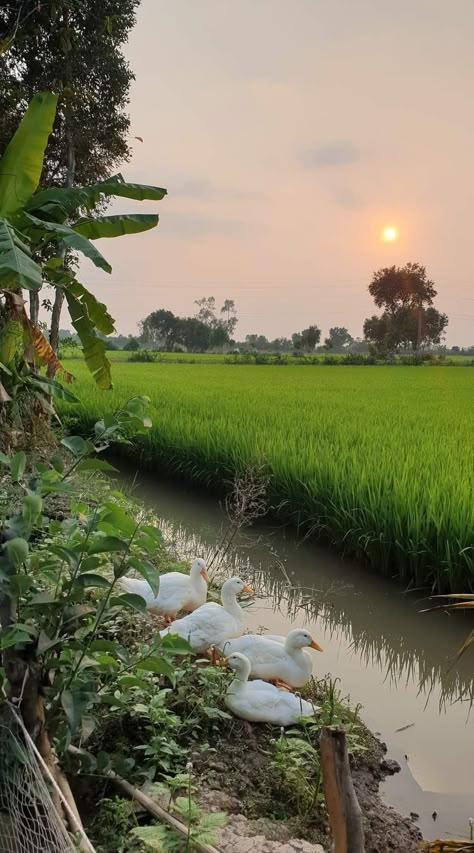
[
  {"x": 408, "y": 320},
  {"x": 143, "y": 356},
  {"x": 110, "y": 828},
  {"x": 200, "y": 827},
  {"x": 31, "y": 221},
  {"x": 357, "y": 466},
  {"x": 295, "y": 754},
  {"x": 22, "y": 160},
  {"x": 61, "y": 577}
]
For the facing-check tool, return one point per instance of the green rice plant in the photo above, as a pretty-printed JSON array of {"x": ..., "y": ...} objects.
[{"x": 377, "y": 462}]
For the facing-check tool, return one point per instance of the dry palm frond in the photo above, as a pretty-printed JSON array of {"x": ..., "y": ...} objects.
[
  {"x": 466, "y": 603},
  {"x": 44, "y": 351},
  {"x": 35, "y": 341},
  {"x": 448, "y": 846}
]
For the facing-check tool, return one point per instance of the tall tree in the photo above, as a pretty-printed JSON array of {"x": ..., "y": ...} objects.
[
  {"x": 339, "y": 339},
  {"x": 157, "y": 328},
  {"x": 230, "y": 313},
  {"x": 408, "y": 321},
  {"x": 207, "y": 315},
  {"x": 310, "y": 337},
  {"x": 207, "y": 311},
  {"x": 75, "y": 49}
]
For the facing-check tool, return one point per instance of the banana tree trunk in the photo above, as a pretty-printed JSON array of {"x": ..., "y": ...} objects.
[{"x": 34, "y": 306}]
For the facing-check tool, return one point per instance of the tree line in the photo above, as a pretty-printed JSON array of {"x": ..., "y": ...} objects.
[{"x": 408, "y": 322}]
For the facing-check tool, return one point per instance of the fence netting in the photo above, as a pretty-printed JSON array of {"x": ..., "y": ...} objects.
[{"x": 29, "y": 821}]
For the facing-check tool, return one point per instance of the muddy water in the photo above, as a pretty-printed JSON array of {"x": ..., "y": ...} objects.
[{"x": 390, "y": 658}]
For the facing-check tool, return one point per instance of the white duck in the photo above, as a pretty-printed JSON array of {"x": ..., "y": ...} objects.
[
  {"x": 277, "y": 659},
  {"x": 213, "y": 624},
  {"x": 177, "y": 591},
  {"x": 260, "y": 702}
]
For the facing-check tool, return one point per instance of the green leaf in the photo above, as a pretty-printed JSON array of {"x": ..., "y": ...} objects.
[
  {"x": 103, "y": 646},
  {"x": 39, "y": 229},
  {"x": 116, "y": 186},
  {"x": 148, "y": 571},
  {"x": 95, "y": 465},
  {"x": 90, "y": 564},
  {"x": 12, "y": 637},
  {"x": 57, "y": 463},
  {"x": 129, "y": 599},
  {"x": 74, "y": 704},
  {"x": 96, "y": 311},
  {"x": 31, "y": 630},
  {"x": 16, "y": 551},
  {"x": 22, "y": 161},
  {"x": 71, "y": 198},
  {"x": 153, "y": 837},
  {"x": 175, "y": 643},
  {"x": 17, "y": 466},
  {"x": 116, "y": 226},
  {"x": 45, "y": 643},
  {"x": 89, "y": 579},
  {"x": 66, "y": 555},
  {"x": 118, "y": 518},
  {"x": 31, "y": 510},
  {"x": 51, "y": 386},
  {"x": 132, "y": 681},
  {"x": 77, "y": 445},
  {"x": 157, "y": 665},
  {"x": 19, "y": 584},
  {"x": 106, "y": 545},
  {"x": 4, "y": 459},
  {"x": 93, "y": 347},
  {"x": 17, "y": 269}
]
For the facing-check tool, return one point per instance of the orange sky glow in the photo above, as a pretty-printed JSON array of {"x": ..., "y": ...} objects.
[{"x": 289, "y": 135}]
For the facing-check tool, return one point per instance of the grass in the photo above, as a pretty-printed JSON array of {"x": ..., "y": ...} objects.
[{"x": 379, "y": 462}]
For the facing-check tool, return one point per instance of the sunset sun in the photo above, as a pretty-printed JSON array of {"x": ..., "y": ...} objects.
[{"x": 389, "y": 234}]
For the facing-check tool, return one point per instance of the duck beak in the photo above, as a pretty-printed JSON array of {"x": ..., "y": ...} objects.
[
  {"x": 205, "y": 575},
  {"x": 248, "y": 588},
  {"x": 313, "y": 645}
]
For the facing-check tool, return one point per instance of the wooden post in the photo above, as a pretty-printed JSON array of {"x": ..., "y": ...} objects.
[{"x": 344, "y": 812}]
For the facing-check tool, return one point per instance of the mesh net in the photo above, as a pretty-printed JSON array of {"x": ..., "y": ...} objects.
[{"x": 29, "y": 822}]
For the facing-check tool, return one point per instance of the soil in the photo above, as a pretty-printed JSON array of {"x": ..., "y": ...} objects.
[{"x": 239, "y": 772}]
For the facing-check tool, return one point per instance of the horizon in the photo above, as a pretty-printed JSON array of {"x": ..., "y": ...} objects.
[{"x": 288, "y": 139}]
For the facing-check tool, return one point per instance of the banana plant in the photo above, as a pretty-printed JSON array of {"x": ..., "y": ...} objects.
[{"x": 55, "y": 219}]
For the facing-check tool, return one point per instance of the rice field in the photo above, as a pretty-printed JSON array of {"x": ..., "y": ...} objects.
[{"x": 378, "y": 461}]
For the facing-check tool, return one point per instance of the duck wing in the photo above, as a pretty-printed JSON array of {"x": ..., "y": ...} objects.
[
  {"x": 260, "y": 650},
  {"x": 201, "y": 628}
]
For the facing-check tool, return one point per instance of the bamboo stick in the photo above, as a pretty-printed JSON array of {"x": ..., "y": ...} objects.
[{"x": 152, "y": 807}]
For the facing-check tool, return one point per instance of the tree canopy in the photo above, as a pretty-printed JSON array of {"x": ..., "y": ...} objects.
[
  {"x": 394, "y": 288},
  {"x": 409, "y": 320},
  {"x": 74, "y": 50},
  {"x": 164, "y": 330}
]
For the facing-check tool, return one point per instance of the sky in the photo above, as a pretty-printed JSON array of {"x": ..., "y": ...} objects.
[{"x": 288, "y": 134}]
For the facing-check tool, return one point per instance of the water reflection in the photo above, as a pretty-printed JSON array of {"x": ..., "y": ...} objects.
[
  {"x": 390, "y": 658},
  {"x": 374, "y": 619}
]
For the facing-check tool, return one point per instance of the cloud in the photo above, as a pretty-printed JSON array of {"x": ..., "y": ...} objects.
[
  {"x": 203, "y": 189},
  {"x": 345, "y": 197},
  {"x": 331, "y": 154},
  {"x": 199, "y": 225},
  {"x": 194, "y": 188}
]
